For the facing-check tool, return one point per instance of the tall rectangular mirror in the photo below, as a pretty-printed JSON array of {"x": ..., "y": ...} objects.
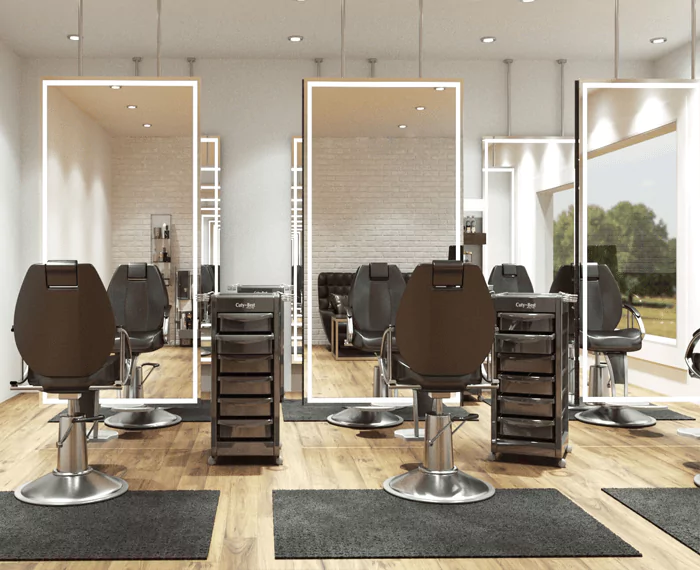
[
  {"x": 120, "y": 190},
  {"x": 382, "y": 185},
  {"x": 638, "y": 181}
]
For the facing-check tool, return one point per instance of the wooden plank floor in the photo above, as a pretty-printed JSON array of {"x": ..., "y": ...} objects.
[{"x": 321, "y": 456}]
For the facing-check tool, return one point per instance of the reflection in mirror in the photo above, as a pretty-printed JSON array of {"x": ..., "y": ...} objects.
[
  {"x": 528, "y": 201},
  {"x": 120, "y": 182},
  {"x": 382, "y": 183},
  {"x": 638, "y": 187},
  {"x": 297, "y": 224}
]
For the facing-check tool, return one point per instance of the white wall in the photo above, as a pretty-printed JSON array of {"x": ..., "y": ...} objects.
[
  {"x": 79, "y": 186},
  {"x": 10, "y": 227},
  {"x": 255, "y": 106},
  {"x": 380, "y": 200}
]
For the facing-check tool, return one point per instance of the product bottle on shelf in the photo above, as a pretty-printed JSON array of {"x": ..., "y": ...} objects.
[{"x": 166, "y": 231}]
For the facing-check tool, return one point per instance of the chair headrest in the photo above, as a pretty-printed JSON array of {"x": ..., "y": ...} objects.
[
  {"x": 448, "y": 273},
  {"x": 379, "y": 271},
  {"x": 509, "y": 270},
  {"x": 593, "y": 271},
  {"x": 61, "y": 274},
  {"x": 136, "y": 271}
]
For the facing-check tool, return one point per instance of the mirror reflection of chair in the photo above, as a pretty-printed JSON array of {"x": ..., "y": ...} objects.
[
  {"x": 64, "y": 329},
  {"x": 605, "y": 340},
  {"x": 445, "y": 328},
  {"x": 140, "y": 302},
  {"x": 373, "y": 301},
  {"x": 508, "y": 278},
  {"x": 692, "y": 360}
]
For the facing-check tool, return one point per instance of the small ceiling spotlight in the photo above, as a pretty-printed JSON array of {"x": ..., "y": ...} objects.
[
  {"x": 115, "y": 86},
  {"x": 147, "y": 125},
  {"x": 526, "y": 1},
  {"x": 439, "y": 89},
  {"x": 488, "y": 40},
  {"x": 402, "y": 126},
  {"x": 131, "y": 107},
  {"x": 659, "y": 40},
  {"x": 74, "y": 37},
  {"x": 295, "y": 39},
  {"x": 421, "y": 108}
]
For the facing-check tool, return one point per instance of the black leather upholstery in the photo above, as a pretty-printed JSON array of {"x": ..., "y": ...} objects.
[
  {"x": 207, "y": 279},
  {"x": 509, "y": 278},
  {"x": 624, "y": 340},
  {"x": 140, "y": 302},
  {"x": 64, "y": 327},
  {"x": 445, "y": 325},
  {"x": 374, "y": 299}
]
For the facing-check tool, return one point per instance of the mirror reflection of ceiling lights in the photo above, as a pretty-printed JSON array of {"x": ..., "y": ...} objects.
[
  {"x": 295, "y": 39},
  {"x": 488, "y": 40},
  {"x": 659, "y": 40}
]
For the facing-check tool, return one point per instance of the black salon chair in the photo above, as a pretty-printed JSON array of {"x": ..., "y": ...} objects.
[
  {"x": 64, "y": 329},
  {"x": 140, "y": 303},
  {"x": 445, "y": 327},
  {"x": 508, "y": 278},
  {"x": 692, "y": 360},
  {"x": 606, "y": 340},
  {"x": 372, "y": 304}
]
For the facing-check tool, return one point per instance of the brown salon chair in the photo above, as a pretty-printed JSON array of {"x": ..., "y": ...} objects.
[
  {"x": 508, "y": 278},
  {"x": 445, "y": 328},
  {"x": 64, "y": 330},
  {"x": 141, "y": 306}
]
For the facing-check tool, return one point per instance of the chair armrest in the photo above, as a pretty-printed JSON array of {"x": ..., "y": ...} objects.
[
  {"x": 350, "y": 332},
  {"x": 689, "y": 355},
  {"x": 386, "y": 354},
  {"x": 125, "y": 361},
  {"x": 637, "y": 317}
]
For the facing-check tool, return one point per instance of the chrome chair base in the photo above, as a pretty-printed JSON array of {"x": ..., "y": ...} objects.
[
  {"x": 63, "y": 489},
  {"x": 102, "y": 435},
  {"x": 142, "y": 418},
  {"x": 615, "y": 416},
  {"x": 697, "y": 480},
  {"x": 365, "y": 418},
  {"x": 409, "y": 434},
  {"x": 442, "y": 487}
]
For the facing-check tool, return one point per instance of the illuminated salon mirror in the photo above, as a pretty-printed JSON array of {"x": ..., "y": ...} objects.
[
  {"x": 528, "y": 206},
  {"x": 382, "y": 170},
  {"x": 121, "y": 185},
  {"x": 638, "y": 183}
]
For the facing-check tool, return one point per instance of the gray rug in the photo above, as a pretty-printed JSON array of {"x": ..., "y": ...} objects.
[
  {"x": 659, "y": 415},
  {"x": 295, "y": 411},
  {"x": 675, "y": 511},
  {"x": 515, "y": 523},
  {"x": 140, "y": 525},
  {"x": 198, "y": 413}
]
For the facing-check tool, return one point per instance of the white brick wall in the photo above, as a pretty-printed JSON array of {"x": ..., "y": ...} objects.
[
  {"x": 380, "y": 199},
  {"x": 152, "y": 175}
]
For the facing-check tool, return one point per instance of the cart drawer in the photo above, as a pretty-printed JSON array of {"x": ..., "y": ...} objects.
[
  {"x": 514, "y": 343},
  {"x": 526, "y": 322},
  {"x": 244, "y": 343},
  {"x": 245, "y": 364},
  {"x": 245, "y": 385},
  {"x": 245, "y": 407},
  {"x": 526, "y": 364},
  {"x": 530, "y": 385},
  {"x": 522, "y": 406},
  {"x": 245, "y": 429},
  {"x": 522, "y": 428},
  {"x": 245, "y": 322}
]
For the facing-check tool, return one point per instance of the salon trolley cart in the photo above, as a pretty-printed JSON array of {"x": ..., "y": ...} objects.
[
  {"x": 532, "y": 367},
  {"x": 247, "y": 375}
]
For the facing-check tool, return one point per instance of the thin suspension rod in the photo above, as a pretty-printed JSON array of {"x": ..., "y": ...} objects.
[
  {"x": 617, "y": 39},
  {"x": 694, "y": 36},
  {"x": 191, "y": 61},
  {"x": 318, "y": 61},
  {"x": 508, "y": 63},
  {"x": 562, "y": 63},
  {"x": 80, "y": 38},
  {"x": 342, "y": 38},
  {"x": 137, "y": 68},
  {"x": 158, "y": 38},
  {"x": 372, "y": 66},
  {"x": 420, "y": 39}
]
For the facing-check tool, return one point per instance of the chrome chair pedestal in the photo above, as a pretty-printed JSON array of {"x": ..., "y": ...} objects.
[
  {"x": 437, "y": 480},
  {"x": 691, "y": 432},
  {"x": 73, "y": 482},
  {"x": 615, "y": 416}
]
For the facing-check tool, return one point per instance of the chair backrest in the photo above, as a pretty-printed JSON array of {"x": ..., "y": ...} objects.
[
  {"x": 63, "y": 323},
  {"x": 139, "y": 297},
  {"x": 446, "y": 320},
  {"x": 509, "y": 278},
  {"x": 603, "y": 294},
  {"x": 332, "y": 283},
  {"x": 206, "y": 279},
  {"x": 375, "y": 296}
]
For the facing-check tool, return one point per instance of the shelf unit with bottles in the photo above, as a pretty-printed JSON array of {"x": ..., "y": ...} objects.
[{"x": 161, "y": 252}]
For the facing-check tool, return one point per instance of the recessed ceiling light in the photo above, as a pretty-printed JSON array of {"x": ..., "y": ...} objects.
[
  {"x": 131, "y": 106},
  {"x": 295, "y": 38},
  {"x": 402, "y": 126},
  {"x": 421, "y": 108},
  {"x": 526, "y": 1},
  {"x": 147, "y": 125},
  {"x": 488, "y": 40},
  {"x": 73, "y": 37},
  {"x": 115, "y": 86},
  {"x": 660, "y": 40},
  {"x": 439, "y": 89}
]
